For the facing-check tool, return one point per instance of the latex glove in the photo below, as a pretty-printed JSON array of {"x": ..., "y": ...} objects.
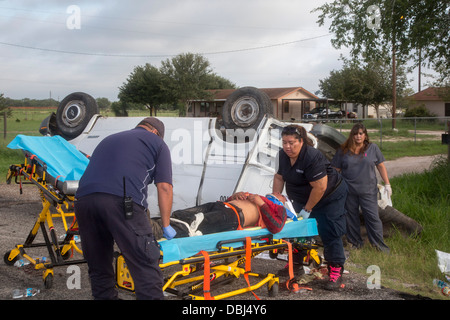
[
  {"x": 304, "y": 214},
  {"x": 388, "y": 190},
  {"x": 169, "y": 232}
]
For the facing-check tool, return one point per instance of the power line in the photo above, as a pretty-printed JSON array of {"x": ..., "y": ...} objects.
[{"x": 161, "y": 55}]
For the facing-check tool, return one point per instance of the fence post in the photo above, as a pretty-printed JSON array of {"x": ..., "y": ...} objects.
[
  {"x": 381, "y": 132},
  {"x": 415, "y": 130},
  {"x": 448, "y": 145},
  {"x": 4, "y": 125}
]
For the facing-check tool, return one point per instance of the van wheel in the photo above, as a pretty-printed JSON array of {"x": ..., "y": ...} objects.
[
  {"x": 74, "y": 113},
  {"x": 245, "y": 108}
]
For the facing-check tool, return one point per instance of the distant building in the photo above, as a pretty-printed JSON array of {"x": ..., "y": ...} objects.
[{"x": 430, "y": 99}]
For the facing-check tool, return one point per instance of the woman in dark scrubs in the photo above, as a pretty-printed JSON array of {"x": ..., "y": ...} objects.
[
  {"x": 317, "y": 191},
  {"x": 357, "y": 160}
]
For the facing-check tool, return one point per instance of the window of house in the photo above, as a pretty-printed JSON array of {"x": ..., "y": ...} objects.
[{"x": 204, "y": 106}]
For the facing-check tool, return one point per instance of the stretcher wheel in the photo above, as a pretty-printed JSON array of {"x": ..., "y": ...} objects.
[
  {"x": 273, "y": 290},
  {"x": 315, "y": 263},
  {"x": 66, "y": 255},
  {"x": 48, "y": 281},
  {"x": 273, "y": 254},
  {"x": 6, "y": 259}
]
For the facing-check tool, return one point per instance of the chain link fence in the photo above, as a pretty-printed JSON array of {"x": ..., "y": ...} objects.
[
  {"x": 27, "y": 121},
  {"x": 383, "y": 129}
]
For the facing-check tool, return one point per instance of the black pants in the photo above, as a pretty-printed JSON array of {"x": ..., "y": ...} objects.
[
  {"x": 216, "y": 218},
  {"x": 101, "y": 221},
  {"x": 331, "y": 224}
]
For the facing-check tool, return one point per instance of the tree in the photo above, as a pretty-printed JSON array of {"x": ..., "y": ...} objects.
[
  {"x": 2, "y": 103},
  {"x": 103, "y": 103},
  {"x": 409, "y": 30},
  {"x": 185, "y": 77},
  {"x": 143, "y": 86},
  {"x": 366, "y": 85},
  {"x": 218, "y": 82}
]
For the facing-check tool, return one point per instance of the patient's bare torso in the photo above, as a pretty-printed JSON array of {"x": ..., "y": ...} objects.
[{"x": 249, "y": 210}]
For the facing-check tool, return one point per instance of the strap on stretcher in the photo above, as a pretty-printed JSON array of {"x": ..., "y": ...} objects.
[{"x": 206, "y": 270}]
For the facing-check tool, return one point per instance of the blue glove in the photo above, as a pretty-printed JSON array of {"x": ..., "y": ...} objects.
[
  {"x": 304, "y": 214},
  {"x": 169, "y": 232}
]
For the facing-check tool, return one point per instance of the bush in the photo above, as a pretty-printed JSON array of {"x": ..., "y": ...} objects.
[{"x": 419, "y": 111}]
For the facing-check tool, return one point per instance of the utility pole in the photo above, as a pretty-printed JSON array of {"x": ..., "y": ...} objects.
[{"x": 394, "y": 84}]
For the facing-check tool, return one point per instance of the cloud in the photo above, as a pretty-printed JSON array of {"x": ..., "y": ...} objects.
[{"x": 262, "y": 43}]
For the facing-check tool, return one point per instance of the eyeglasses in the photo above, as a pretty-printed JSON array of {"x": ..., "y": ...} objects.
[
  {"x": 358, "y": 133},
  {"x": 290, "y": 130}
]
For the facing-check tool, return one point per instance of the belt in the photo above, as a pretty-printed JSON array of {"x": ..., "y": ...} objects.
[{"x": 239, "y": 215}]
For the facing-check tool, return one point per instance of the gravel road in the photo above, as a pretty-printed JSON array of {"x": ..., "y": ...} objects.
[{"x": 19, "y": 212}]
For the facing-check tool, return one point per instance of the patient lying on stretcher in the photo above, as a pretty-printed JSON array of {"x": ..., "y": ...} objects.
[{"x": 241, "y": 210}]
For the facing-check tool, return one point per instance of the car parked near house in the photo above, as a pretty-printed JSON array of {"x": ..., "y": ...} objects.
[{"x": 320, "y": 113}]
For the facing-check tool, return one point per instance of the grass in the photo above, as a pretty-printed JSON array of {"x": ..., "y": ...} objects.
[
  {"x": 412, "y": 263},
  {"x": 407, "y": 148}
]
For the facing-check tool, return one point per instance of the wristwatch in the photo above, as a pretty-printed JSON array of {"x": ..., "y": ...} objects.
[{"x": 309, "y": 211}]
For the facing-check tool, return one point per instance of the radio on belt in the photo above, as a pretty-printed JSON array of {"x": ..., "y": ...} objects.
[{"x": 127, "y": 203}]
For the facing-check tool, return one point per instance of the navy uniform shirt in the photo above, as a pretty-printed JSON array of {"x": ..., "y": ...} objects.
[
  {"x": 138, "y": 155},
  {"x": 311, "y": 165},
  {"x": 358, "y": 170}
]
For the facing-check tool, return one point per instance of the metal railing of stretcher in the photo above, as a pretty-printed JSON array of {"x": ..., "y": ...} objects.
[{"x": 55, "y": 204}]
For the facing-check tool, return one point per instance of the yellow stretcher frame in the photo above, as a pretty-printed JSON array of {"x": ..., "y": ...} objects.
[
  {"x": 33, "y": 172},
  {"x": 198, "y": 272}
]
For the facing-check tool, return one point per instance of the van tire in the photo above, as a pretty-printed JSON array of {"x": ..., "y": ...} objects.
[
  {"x": 245, "y": 108},
  {"x": 329, "y": 139},
  {"x": 74, "y": 113}
]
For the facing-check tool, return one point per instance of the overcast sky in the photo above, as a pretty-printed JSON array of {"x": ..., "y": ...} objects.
[{"x": 54, "y": 48}]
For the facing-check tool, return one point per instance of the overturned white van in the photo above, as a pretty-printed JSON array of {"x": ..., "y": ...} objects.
[{"x": 209, "y": 160}]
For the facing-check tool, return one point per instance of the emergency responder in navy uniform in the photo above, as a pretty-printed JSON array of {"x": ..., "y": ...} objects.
[
  {"x": 111, "y": 206},
  {"x": 317, "y": 191}
]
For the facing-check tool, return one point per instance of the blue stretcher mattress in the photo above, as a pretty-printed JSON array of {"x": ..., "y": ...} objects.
[
  {"x": 182, "y": 248},
  {"x": 63, "y": 160}
]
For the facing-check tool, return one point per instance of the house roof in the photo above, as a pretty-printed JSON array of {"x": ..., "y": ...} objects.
[
  {"x": 277, "y": 93},
  {"x": 273, "y": 93},
  {"x": 429, "y": 94}
]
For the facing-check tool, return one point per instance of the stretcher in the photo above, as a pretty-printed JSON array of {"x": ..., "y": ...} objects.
[
  {"x": 55, "y": 166},
  {"x": 217, "y": 259},
  {"x": 55, "y": 170}
]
